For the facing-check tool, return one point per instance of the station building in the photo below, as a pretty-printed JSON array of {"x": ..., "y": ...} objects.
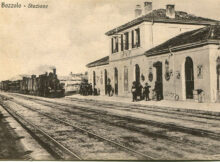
[
  {"x": 72, "y": 82},
  {"x": 176, "y": 49}
]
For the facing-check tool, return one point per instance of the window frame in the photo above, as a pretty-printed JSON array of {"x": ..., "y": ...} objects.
[
  {"x": 115, "y": 44},
  {"x": 138, "y": 37}
]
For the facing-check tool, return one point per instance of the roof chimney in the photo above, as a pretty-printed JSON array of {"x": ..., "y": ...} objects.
[
  {"x": 147, "y": 7},
  {"x": 138, "y": 10},
  {"x": 170, "y": 11},
  {"x": 33, "y": 76}
]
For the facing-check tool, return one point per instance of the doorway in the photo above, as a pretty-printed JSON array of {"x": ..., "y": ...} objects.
[
  {"x": 94, "y": 79},
  {"x": 137, "y": 73},
  {"x": 159, "y": 78},
  {"x": 218, "y": 78},
  {"x": 116, "y": 81},
  {"x": 189, "y": 78},
  {"x": 106, "y": 81}
]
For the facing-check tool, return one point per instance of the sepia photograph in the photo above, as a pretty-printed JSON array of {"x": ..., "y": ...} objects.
[{"x": 88, "y": 80}]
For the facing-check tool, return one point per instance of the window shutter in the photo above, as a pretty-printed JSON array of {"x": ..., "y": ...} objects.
[
  {"x": 132, "y": 38},
  {"x": 116, "y": 43},
  {"x": 112, "y": 46},
  {"x": 138, "y": 37},
  {"x": 127, "y": 41},
  {"x": 122, "y": 43}
]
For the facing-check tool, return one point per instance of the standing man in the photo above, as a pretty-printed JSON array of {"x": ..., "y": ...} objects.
[
  {"x": 146, "y": 92},
  {"x": 109, "y": 87}
]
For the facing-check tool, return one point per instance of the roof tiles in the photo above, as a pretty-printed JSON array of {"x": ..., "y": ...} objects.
[
  {"x": 102, "y": 61},
  {"x": 188, "y": 39}
]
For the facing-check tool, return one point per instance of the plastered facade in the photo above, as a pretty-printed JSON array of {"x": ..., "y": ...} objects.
[{"x": 152, "y": 34}]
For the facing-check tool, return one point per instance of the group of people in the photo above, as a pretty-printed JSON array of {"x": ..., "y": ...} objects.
[
  {"x": 139, "y": 91},
  {"x": 86, "y": 89},
  {"x": 143, "y": 91}
]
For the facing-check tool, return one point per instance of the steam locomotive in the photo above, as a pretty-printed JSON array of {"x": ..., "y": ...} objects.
[{"x": 45, "y": 85}]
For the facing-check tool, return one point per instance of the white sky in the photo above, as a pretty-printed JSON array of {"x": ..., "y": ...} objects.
[{"x": 70, "y": 33}]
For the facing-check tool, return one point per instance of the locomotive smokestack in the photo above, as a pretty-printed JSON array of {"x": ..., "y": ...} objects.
[
  {"x": 33, "y": 76},
  {"x": 54, "y": 71}
]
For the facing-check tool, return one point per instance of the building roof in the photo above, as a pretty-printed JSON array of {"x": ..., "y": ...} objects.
[
  {"x": 159, "y": 15},
  {"x": 199, "y": 37},
  {"x": 72, "y": 77},
  {"x": 102, "y": 61},
  {"x": 69, "y": 78}
]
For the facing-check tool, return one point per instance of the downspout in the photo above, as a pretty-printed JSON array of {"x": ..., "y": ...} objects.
[
  {"x": 152, "y": 37},
  {"x": 174, "y": 83}
]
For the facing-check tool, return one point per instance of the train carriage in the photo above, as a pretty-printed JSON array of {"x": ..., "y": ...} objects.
[{"x": 44, "y": 85}]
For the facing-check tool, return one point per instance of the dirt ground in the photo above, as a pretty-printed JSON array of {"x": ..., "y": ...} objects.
[{"x": 9, "y": 146}]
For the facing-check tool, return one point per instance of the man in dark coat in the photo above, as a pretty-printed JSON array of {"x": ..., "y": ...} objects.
[
  {"x": 109, "y": 88},
  {"x": 158, "y": 91},
  {"x": 146, "y": 91}
]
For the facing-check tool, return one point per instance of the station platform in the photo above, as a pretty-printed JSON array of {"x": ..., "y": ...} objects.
[{"x": 190, "y": 106}]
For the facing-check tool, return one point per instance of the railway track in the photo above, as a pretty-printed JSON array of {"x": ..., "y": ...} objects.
[
  {"x": 88, "y": 133},
  {"x": 171, "y": 127},
  {"x": 35, "y": 131},
  {"x": 173, "y": 114},
  {"x": 153, "y": 110},
  {"x": 123, "y": 123},
  {"x": 141, "y": 108},
  {"x": 120, "y": 122}
]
